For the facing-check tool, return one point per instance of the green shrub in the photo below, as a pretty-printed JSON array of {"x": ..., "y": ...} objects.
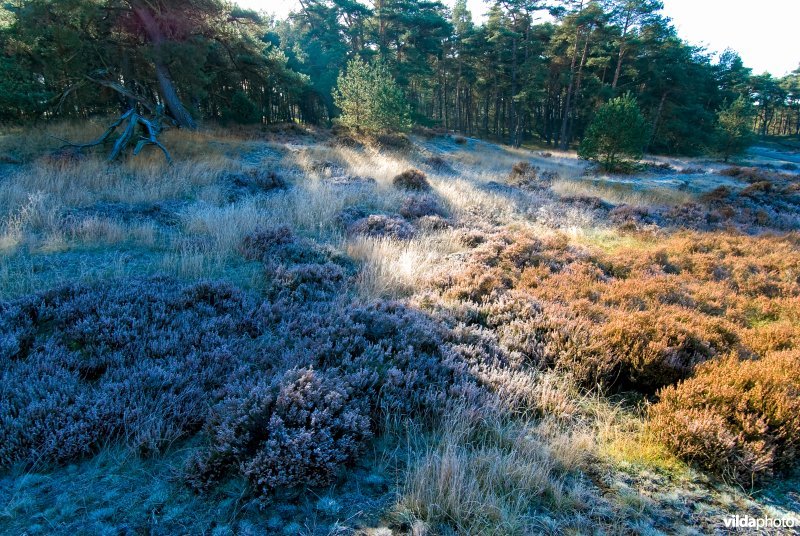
[
  {"x": 734, "y": 129},
  {"x": 617, "y": 133}
]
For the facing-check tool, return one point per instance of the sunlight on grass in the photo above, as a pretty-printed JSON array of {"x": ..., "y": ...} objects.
[
  {"x": 392, "y": 268},
  {"x": 628, "y": 193}
]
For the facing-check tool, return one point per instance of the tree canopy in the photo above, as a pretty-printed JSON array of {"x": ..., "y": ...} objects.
[{"x": 533, "y": 71}]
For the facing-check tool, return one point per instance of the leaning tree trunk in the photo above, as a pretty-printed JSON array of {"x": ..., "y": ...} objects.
[
  {"x": 173, "y": 103},
  {"x": 622, "y": 49}
]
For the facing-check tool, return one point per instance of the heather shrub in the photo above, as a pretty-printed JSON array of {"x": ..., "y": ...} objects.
[
  {"x": 657, "y": 348},
  {"x": 359, "y": 364},
  {"x": 768, "y": 201},
  {"x": 413, "y": 180},
  {"x": 299, "y": 427},
  {"x": 278, "y": 245},
  {"x": 439, "y": 165},
  {"x": 306, "y": 282},
  {"x": 744, "y": 173},
  {"x": 381, "y": 225},
  {"x": 433, "y": 223},
  {"x": 632, "y": 317},
  {"x": 262, "y": 241},
  {"x": 250, "y": 182},
  {"x": 630, "y": 217},
  {"x": 760, "y": 187},
  {"x": 587, "y": 202},
  {"x": 426, "y": 132},
  {"x": 523, "y": 169},
  {"x": 284, "y": 391},
  {"x": 85, "y": 365},
  {"x": 349, "y": 215},
  {"x": 525, "y": 175},
  {"x": 326, "y": 168},
  {"x": 719, "y": 194},
  {"x": 739, "y": 419},
  {"x": 472, "y": 238},
  {"x": 417, "y": 206},
  {"x": 691, "y": 216},
  {"x": 692, "y": 171},
  {"x": 399, "y": 142}
]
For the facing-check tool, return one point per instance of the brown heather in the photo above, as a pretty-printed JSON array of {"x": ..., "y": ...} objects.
[
  {"x": 740, "y": 419},
  {"x": 640, "y": 317}
]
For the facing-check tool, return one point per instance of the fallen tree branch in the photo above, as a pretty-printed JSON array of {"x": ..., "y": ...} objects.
[{"x": 152, "y": 128}]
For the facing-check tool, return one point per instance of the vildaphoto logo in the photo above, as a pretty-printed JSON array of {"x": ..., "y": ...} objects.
[{"x": 750, "y": 522}]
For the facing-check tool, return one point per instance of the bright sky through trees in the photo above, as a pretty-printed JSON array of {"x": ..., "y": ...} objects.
[{"x": 764, "y": 34}]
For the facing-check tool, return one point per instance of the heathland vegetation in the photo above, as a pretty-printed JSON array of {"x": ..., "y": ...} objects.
[{"x": 399, "y": 273}]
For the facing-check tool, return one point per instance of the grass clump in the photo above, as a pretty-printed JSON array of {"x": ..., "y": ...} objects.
[{"x": 482, "y": 473}]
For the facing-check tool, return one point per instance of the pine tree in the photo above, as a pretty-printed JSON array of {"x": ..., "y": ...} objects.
[
  {"x": 370, "y": 99},
  {"x": 734, "y": 132},
  {"x": 616, "y": 135}
]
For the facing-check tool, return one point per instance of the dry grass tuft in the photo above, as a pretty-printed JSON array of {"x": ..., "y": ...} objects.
[{"x": 483, "y": 474}]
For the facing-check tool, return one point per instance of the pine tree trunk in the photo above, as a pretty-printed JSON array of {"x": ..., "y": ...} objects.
[
  {"x": 168, "y": 93},
  {"x": 622, "y": 50},
  {"x": 578, "y": 80},
  {"x": 563, "y": 142}
]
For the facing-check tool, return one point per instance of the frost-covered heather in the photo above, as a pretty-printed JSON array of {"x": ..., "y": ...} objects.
[{"x": 286, "y": 389}]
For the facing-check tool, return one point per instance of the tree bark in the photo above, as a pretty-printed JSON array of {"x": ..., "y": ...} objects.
[
  {"x": 563, "y": 142},
  {"x": 578, "y": 79},
  {"x": 168, "y": 93},
  {"x": 622, "y": 50},
  {"x": 657, "y": 120}
]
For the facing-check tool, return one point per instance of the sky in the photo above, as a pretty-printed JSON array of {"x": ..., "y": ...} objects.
[{"x": 764, "y": 33}]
